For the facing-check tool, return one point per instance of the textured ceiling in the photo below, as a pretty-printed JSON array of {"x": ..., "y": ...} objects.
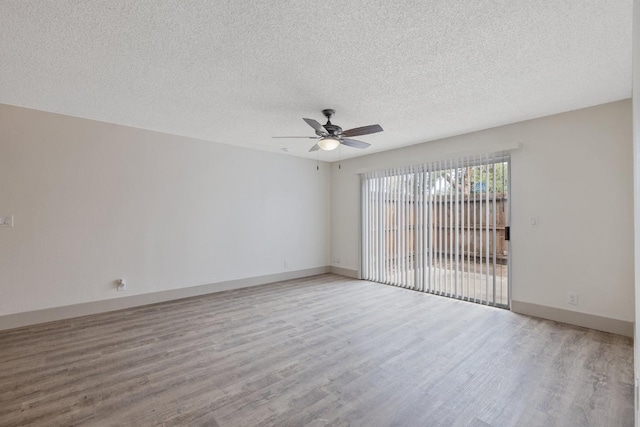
[{"x": 239, "y": 72}]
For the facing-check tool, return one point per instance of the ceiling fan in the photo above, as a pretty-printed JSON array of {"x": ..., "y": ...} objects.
[{"x": 330, "y": 136}]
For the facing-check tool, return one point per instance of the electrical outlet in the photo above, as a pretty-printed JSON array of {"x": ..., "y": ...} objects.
[
  {"x": 572, "y": 298},
  {"x": 121, "y": 285},
  {"x": 6, "y": 221},
  {"x": 337, "y": 260}
]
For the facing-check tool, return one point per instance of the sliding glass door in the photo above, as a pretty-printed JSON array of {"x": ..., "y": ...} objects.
[{"x": 442, "y": 228}]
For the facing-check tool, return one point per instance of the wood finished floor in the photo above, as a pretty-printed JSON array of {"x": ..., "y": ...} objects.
[{"x": 318, "y": 351}]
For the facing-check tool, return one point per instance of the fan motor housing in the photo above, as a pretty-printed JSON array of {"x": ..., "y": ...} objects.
[{"x": 333, "y": 129}]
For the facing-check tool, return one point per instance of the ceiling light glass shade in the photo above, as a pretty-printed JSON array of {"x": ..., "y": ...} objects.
[{"x": 329, "y": 143}]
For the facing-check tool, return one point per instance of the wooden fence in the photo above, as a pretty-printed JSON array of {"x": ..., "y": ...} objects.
[{"x": 465, "y": 224}]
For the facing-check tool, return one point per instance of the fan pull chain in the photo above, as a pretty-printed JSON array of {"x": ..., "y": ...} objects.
[
  {"x": 339, "y": 154},
  {"x": 317, "y": 163}
]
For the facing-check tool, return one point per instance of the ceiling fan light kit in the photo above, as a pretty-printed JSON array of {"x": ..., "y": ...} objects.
[
  {"x": 330, "y": 136},
  {"x": 329, "y": 143}
]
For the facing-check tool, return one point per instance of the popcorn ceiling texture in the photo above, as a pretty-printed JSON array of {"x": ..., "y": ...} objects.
[{"x": 241, "y": 72}]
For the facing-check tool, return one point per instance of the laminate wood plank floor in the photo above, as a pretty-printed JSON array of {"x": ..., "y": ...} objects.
[{"x": 324, "y": 350}]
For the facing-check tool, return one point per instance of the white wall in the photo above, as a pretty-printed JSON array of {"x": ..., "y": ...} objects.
[
  {"x": 573, "y": 172},
  {"x": 636, "y": 197},
  {"x": 94, "y": 202}
]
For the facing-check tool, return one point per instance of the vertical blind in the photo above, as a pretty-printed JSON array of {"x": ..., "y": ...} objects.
[{"x": 440, "y": 227}]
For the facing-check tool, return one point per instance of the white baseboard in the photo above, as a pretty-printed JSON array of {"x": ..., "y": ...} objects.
[
  {"x": 345, "y": 272},
  {"x": 591, "y": 321},
  {"x": 28, "y": 318},
  {"x": 18, "y": 320}
]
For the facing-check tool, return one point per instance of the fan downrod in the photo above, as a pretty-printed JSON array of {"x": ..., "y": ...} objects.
[
  {"x": 328, "y": 113},
  {"x": 332, "y": 129}
]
